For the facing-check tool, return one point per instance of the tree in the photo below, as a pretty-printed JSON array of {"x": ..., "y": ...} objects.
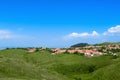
[{"x": 66, "y": 52}]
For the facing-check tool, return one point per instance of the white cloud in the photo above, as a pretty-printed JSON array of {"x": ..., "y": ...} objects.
[
  {"x": 4, "y": 34},
  {"x": 108, "y": 34},
  {"x": 111, "y": 34},
  {"x": 115, "y": 29},
  {"x": 94, "y": 33},
  {"x": 85, "y": 34},
  {"x": 74, "y": 34}
]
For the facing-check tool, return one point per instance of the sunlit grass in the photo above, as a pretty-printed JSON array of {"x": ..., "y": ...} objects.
[{"x": 17, "y": 64}]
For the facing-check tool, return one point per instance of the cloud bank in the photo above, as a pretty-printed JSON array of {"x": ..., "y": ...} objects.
[
  {"x": 9, "y": 38},
  {"x": 85, "y": 34},
  {"x": 113, "y": 31}
]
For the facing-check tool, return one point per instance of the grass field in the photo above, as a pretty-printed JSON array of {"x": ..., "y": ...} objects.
[{"x": 17, "y": 64}]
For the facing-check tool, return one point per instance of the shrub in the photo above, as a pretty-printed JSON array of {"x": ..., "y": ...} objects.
[{"x": 66, "y": 52}]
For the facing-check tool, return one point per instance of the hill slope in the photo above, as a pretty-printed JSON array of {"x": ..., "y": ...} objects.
[
  {"x": 17, "y": 64},
  {"x": 108, "y": 43}
]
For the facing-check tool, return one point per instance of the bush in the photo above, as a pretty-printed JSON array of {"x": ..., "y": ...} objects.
[
  {"x": 66, "y": 52},
  {"x": 49, "y": 50},
  {"x": 91, "y": 68},
  {"x": 114, "y": 57},
  {"x": 77, "y": 78},
  {"x": 37, "y": 49},
  {"x": 76, "y": 52},
  {"x": 81, "y": 54}
]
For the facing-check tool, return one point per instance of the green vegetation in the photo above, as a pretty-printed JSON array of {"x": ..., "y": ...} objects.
[
  {"x": 17, "y": 64},
  {"x": 108, "y": 43},
  {"x": 80, "y": 45}
]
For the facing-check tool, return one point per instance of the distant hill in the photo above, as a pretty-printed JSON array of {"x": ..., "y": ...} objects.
[
  {"x": 99, "y": 44},
  {"x": 80, "y": 45},
  {"x": 108, "y": 43}
]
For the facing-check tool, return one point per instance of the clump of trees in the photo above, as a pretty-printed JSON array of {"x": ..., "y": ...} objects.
[
  {"x": 115, "y": 50},
  {"x": 49, "y": 50},
  {"x": 80, "y": 45},
  {"x": 66, "y": 52},
  {"x": 81, "y": 54}
]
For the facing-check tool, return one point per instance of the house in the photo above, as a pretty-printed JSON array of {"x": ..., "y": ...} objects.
[{"x": 31, "y": 50}]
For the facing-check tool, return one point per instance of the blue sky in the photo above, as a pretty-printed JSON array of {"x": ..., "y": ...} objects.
[{"x": 58, "y": 23}]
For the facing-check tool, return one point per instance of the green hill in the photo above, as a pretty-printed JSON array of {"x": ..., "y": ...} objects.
[
  {"x": 17, "y": 64},
  {"x": 80, "y": 45},
  {"x": 108, "y": 43}
]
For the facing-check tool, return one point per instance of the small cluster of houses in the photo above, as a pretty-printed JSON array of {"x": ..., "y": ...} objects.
[
  {"x": 87, "y": 51},
  {"x": 35, "y": 49},
  {"x": 31, "y": 49},
  {"x": 109, "y": 47}
]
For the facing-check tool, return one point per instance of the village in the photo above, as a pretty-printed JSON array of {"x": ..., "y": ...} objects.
[{"x": 90, "y": 50}]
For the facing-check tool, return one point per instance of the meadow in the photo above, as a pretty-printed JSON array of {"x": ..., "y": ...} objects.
[{"x": 18, "y": 64}]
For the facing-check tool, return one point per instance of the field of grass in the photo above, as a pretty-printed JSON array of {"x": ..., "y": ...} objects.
[{"x": 17, "y": 64}]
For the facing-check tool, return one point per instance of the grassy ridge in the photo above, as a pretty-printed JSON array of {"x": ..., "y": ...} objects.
[
  {"x": 17, "y": 64},
  {"x": 108, "y": 43}
]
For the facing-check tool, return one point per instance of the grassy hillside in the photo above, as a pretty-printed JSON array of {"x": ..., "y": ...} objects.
[
  {"x": 17, "y": 64},
  {"x": 108, "y": 43}
]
